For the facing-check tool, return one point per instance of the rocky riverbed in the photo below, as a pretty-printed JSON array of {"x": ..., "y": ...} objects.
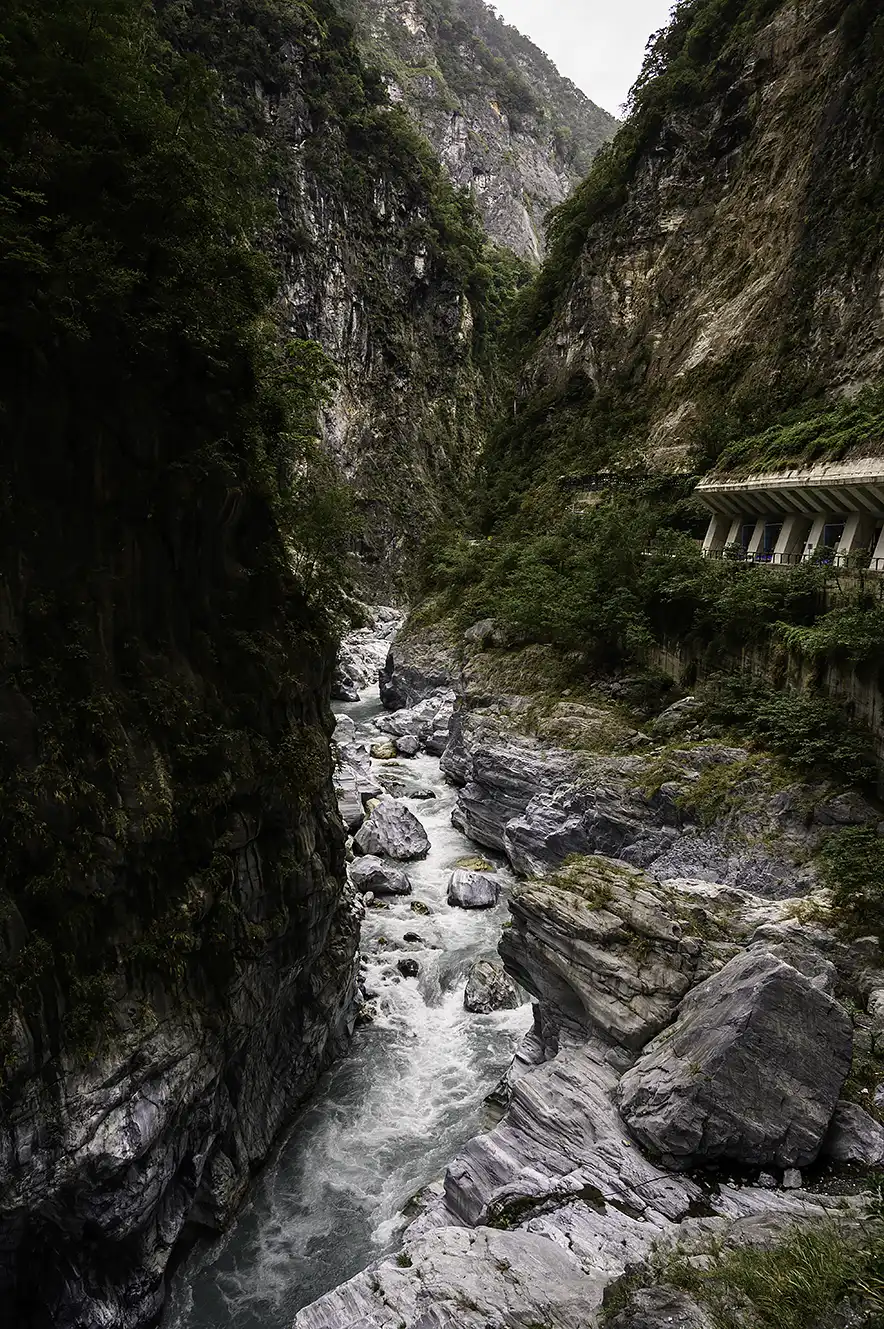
[
  {"x": 389, "y": 1116},
  {"x": 695, "y": 1020}
]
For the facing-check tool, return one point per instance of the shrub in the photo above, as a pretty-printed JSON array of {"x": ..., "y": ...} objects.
[{"x": 851, "y": 863}]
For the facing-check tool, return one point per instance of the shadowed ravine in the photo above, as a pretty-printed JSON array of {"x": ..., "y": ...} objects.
[{"x": 386, "y": 1120}]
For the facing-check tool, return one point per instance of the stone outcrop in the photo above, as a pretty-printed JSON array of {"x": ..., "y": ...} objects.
[
  {"x": 540, "y": 804},
  {"x": 392, "y": 831},
  {"x": 696, "y": 281},
  {"x": 749, "y": 1073}
]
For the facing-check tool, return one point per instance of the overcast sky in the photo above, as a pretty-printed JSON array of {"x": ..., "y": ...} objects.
[{"x": 598, "y": 44}]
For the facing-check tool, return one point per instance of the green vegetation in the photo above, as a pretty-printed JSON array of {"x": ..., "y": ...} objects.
[
  {"x": 810, "y": 433},
  {"x": 851, "y": 863},
  {"x": 853, "y": 631},
  {"x": 809, "y": 732},
  {"x": 609, "y": 580},
  {"x": 811, "y": 1277}
]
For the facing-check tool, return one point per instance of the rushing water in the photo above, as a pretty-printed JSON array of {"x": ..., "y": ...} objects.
[{"x": 387, "y": 1118}]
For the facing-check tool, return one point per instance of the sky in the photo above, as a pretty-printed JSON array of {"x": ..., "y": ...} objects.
[{"x": 598, "y": 44}]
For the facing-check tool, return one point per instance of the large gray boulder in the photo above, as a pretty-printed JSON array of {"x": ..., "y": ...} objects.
[
  {"x": 392, "y": 831},
  {"x": 473, "y": 890},
  {"x": 750, "y": 1072},
  {"x": 854, "y": 1137},
  {"x": 373, "y": 874},
  {"x": 489, "y": 988}
]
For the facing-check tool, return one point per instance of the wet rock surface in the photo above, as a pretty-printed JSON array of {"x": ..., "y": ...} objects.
[
  {"x": 369, "y": 873},
  {"x": 490, "y": 988},
  {"x": 392, "y": 831},
  {"x": 473, "y": 890}
]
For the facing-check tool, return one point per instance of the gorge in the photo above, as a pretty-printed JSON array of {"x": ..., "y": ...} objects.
[{"x": 284, "y": 340}]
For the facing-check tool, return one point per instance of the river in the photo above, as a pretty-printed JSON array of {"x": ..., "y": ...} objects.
[{"x": 386, "y": 1119}]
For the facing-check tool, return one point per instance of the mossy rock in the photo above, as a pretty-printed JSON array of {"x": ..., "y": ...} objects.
[{"x": 474, "y": 863}]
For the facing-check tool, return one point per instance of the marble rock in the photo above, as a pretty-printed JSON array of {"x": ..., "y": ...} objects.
[
  {"x": 392, "y": 831},
  {"x": 473, "y": 890},
  {"x": 453, "y": 1278},
  {"x": 749, "y": 1073},
  {"x": 489, "y": 988},
  {"x": 854, "y": 1137},
  {"x": 370, "y": 874}
]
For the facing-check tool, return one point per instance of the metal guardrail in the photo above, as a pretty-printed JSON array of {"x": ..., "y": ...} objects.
[{"x": 827, "y": 558}]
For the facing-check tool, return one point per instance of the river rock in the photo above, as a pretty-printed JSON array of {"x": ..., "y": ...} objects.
[
  {"x": 392, "y": 831},
  {"x": 407, "y": 746},
  {"x": 385, "y": 751},
  {"x": 437, "y": 742},
  {"x": 749, "y": 1073},
  {"x": 854, "y": 1137},
  {"x": 354, "y": 782},
  {"x": 489, "y": 988},
  {"x": 372, "y": 875},
  {"x": 408, "y": 967},
  {"x": 473, "y": 890}
]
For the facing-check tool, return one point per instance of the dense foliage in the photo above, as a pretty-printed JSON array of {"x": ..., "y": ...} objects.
[
  {"x": 171, "y": 542},
  {"x": 610, "y": 579},
  {"x": 851, "y": 864}
]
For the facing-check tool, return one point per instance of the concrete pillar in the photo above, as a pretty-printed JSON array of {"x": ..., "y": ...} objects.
[
  {"x": 716, "y": 536},
  {"x": 815, "y": 539},
  {"x": 793, "y": 537},
  {"x": 858, "y": 532},
  {"x": 735, "y": 531},
  {"x": 878, "y": 554},
  {"x": 756, "y": 544}
]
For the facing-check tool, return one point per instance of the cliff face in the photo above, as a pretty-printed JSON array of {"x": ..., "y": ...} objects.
[
  {"x": 379, "y": 260},
  {"x": 505, "y": 123},
  {"x": 722, "y": 266},
  {"x": 177, "y": 954}
]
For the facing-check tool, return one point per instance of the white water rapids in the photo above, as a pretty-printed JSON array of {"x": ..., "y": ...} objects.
[{"x": 386, "y": 1120}]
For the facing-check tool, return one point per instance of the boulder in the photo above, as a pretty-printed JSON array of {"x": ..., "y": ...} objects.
[
  {"x": 854, "y": 1137},
  {"x": 473, "y": 890},
  {"x": 489, "y": 988},
  {"x": 407, "y": 746},
  {"x": 408, "y": 967},
  {"x": 678, "y": 717},
  {"x": 384, "y": 751},
  {"x": 437, "y": 742},
  {"x": 392, "y": 831},
  {"x": 372, "y": 875},
  {"x": 660, "y": 1307},
  {"x": 481, "y": 634},
  {"x": 749, "y": 1073}
]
